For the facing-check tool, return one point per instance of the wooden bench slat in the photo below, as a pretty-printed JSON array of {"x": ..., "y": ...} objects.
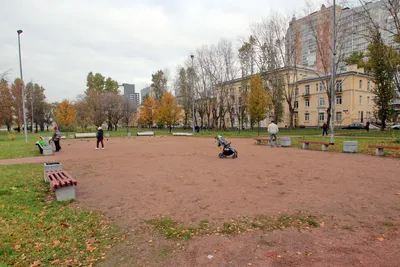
[
  {"x": 60, "y": 179},
  {"x": 382, "y": 146}
]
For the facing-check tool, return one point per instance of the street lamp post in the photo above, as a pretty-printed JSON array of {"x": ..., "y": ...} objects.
[
  {"x": 333, "y": 88},
  {"x": 23, "y": 87},
  {"x": 192, "y": 57}
]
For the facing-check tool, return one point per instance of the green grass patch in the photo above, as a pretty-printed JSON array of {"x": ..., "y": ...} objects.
[
  {"x": 171, "y": 229},
  {"x": 33, "y": 230}
]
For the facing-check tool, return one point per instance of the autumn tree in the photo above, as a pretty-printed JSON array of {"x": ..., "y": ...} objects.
[
  {"x": 183, "y": 93},
  {"x": 16, "y": 91},
  {"x": 381, "y": 58},
  {"x": 49, "y": 113},
  {"x": 66, "y": 114},
  {"x": 95, "y": 102},
  {"x": 83, "y": 112},
  {"x": 6, "y": 104},
  {"x": 257, "y": 101},
  {"x": 147, "y": 113},
  {"x": 159, "y": 84},
  {"x": 168, "y": 112}
]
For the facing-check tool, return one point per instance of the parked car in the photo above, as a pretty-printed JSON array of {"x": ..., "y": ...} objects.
[
  {"x": 356, "y": 126},
  {"x": 395, "y": 127}
]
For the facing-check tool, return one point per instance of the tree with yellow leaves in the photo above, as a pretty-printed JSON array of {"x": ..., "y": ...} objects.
[
  {"x": 66, "y": 114},
  {"x": 148, "y": 111},
  {"x": 168, "y": 111},
  {"x": 257, "y": 102}
]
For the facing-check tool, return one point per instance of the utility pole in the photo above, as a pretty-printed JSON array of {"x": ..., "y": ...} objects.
[
  {"x": 23, "y": 87},
  {"x": 333, "y": 88},
  {"x": 192, "y": 57}
]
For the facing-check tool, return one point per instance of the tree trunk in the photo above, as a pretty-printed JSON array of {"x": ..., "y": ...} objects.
[
  {"x": 258, "y": 128},
  {"x": 328, "y": 117}
]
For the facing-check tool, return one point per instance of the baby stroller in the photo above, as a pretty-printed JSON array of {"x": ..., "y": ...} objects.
[{"x": 227, "y": 150}]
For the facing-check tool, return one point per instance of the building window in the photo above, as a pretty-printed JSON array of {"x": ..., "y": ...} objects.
[
  {"x": 307, "y": 117},
  {"x": 368, "y": 115},
  {"x": 360, "y": 84},
  {"x": 368, "y": 84},
  {"x": 307, "y": 103},
  {"x": 296, "y": 104},
  {"x": 317, "y": 87},
  {"x": 368, "y": 99},
  {"x": 321, "y": 87},
  {"x": 307, "y": 90},
  {"x": 322, "y": 101},
  {"x": 296, "y": 92},
  {"x": 321, "y": 116},
  {"x": 338, "y": 100},
  {"x": 339, "y": 86},
  {"x": 338, "y": 116},
  {"x": 360, "y": 99}
]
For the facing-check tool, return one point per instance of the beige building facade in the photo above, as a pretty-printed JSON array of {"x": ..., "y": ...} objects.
[{"x": 354, "y": 101}]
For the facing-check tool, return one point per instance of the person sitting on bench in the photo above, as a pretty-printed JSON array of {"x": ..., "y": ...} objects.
[{"x": 40, "y": 143}]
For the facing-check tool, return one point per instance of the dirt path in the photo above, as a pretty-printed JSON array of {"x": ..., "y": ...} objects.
[{"x": 142, "y": 178}]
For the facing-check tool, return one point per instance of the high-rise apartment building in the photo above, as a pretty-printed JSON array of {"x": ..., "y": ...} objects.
[
  {"x": 130, "y": 94},
  {"x": 143, "y": 93},
  {"x": 309, "y": 39}
]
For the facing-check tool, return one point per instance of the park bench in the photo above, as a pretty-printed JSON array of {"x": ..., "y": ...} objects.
[
  {"x": 182, "y": 134},
  {"x": 380, "y": 149},
  {"x": 62, "y": 183},
  {"x": 85, "y": 135},
  {"x": 261, "y": 140},
  {"x": 145, "y": 134},
  {"x": 47, "y": 149},
  {"x": 324, "y": 145}
]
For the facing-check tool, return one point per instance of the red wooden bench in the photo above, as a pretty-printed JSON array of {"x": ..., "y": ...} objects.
[
  {"x": 380, "y": 149},
  {"x": 324, "y": 147},
  {"x": 63, "y": 184}
]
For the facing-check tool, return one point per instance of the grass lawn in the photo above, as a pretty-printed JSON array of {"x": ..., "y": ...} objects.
[{"x": 36, "y": 232}]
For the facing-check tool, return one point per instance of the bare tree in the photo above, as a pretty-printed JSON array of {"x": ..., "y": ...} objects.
[
  {"x": 127, "y": 112},
  {"x": 113, "y": 108}
]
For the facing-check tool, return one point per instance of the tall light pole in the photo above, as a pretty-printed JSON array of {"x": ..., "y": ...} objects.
[
  {"x": 333, "y": 88},
  {"x": 23, "y": 87},
  {"x": 192, "y": 57}
]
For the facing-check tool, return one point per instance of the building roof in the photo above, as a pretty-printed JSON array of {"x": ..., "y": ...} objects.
[
  {"x": 323, "y": 77},
  {"x": 303, "y": 68}
]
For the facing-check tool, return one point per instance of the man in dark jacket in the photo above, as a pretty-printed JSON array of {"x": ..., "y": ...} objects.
[
  {"x": 325, "y": 129},
  {"x": 100, "y": 137}
]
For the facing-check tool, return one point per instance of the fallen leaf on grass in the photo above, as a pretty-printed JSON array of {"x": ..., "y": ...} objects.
[
  {"x": 27, "y": 211},
  {"x": 55, "y": 261},
  {"x": 65, "y": 224},
  {"x": 56, "y": 243},
  {"x": 36, "y": 263},
  {"x": 17, "y": 247},
  {"x": 13, "y": 188},
  {"x": 380, "y": 238},
  {"x": 40, "y": 214},
  {"x": 90, "y": 240}
]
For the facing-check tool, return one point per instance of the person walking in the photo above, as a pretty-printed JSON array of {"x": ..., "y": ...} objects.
[
  {"x": 56, "y": 138},
  {"x": 367, "y": 126},
  {"x": 100, "y": 136},
  {"x": 325, "y": 129},
  {"x": 273, "y": 133}
]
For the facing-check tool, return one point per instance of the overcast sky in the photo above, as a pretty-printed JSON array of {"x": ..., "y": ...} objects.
[{"x": 126, "y": 40}]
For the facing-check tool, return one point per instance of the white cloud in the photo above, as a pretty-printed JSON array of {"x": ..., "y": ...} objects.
[{"x": 127, "y": 40}]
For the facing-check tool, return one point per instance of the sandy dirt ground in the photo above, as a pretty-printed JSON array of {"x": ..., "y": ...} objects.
[{"x": 356, "y": 197}]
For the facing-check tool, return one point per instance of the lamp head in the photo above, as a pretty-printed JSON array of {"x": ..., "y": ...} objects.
[
  {"x": 19, "y": 32},
  {"x": 191, "y": 56}
]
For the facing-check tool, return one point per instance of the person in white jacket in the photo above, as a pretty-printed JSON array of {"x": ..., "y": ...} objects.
[{"x": 273, "y": 133}]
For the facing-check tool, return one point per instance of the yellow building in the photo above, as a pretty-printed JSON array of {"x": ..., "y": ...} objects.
[
  {"x": 231, "y": 94},
  {"x": 353, "y": 99}
]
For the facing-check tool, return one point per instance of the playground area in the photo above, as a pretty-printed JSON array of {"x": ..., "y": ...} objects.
[{"x": 352, "y": 198}]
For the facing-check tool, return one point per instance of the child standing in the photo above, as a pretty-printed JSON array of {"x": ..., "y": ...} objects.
[{"x": 100, "y": 137}]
